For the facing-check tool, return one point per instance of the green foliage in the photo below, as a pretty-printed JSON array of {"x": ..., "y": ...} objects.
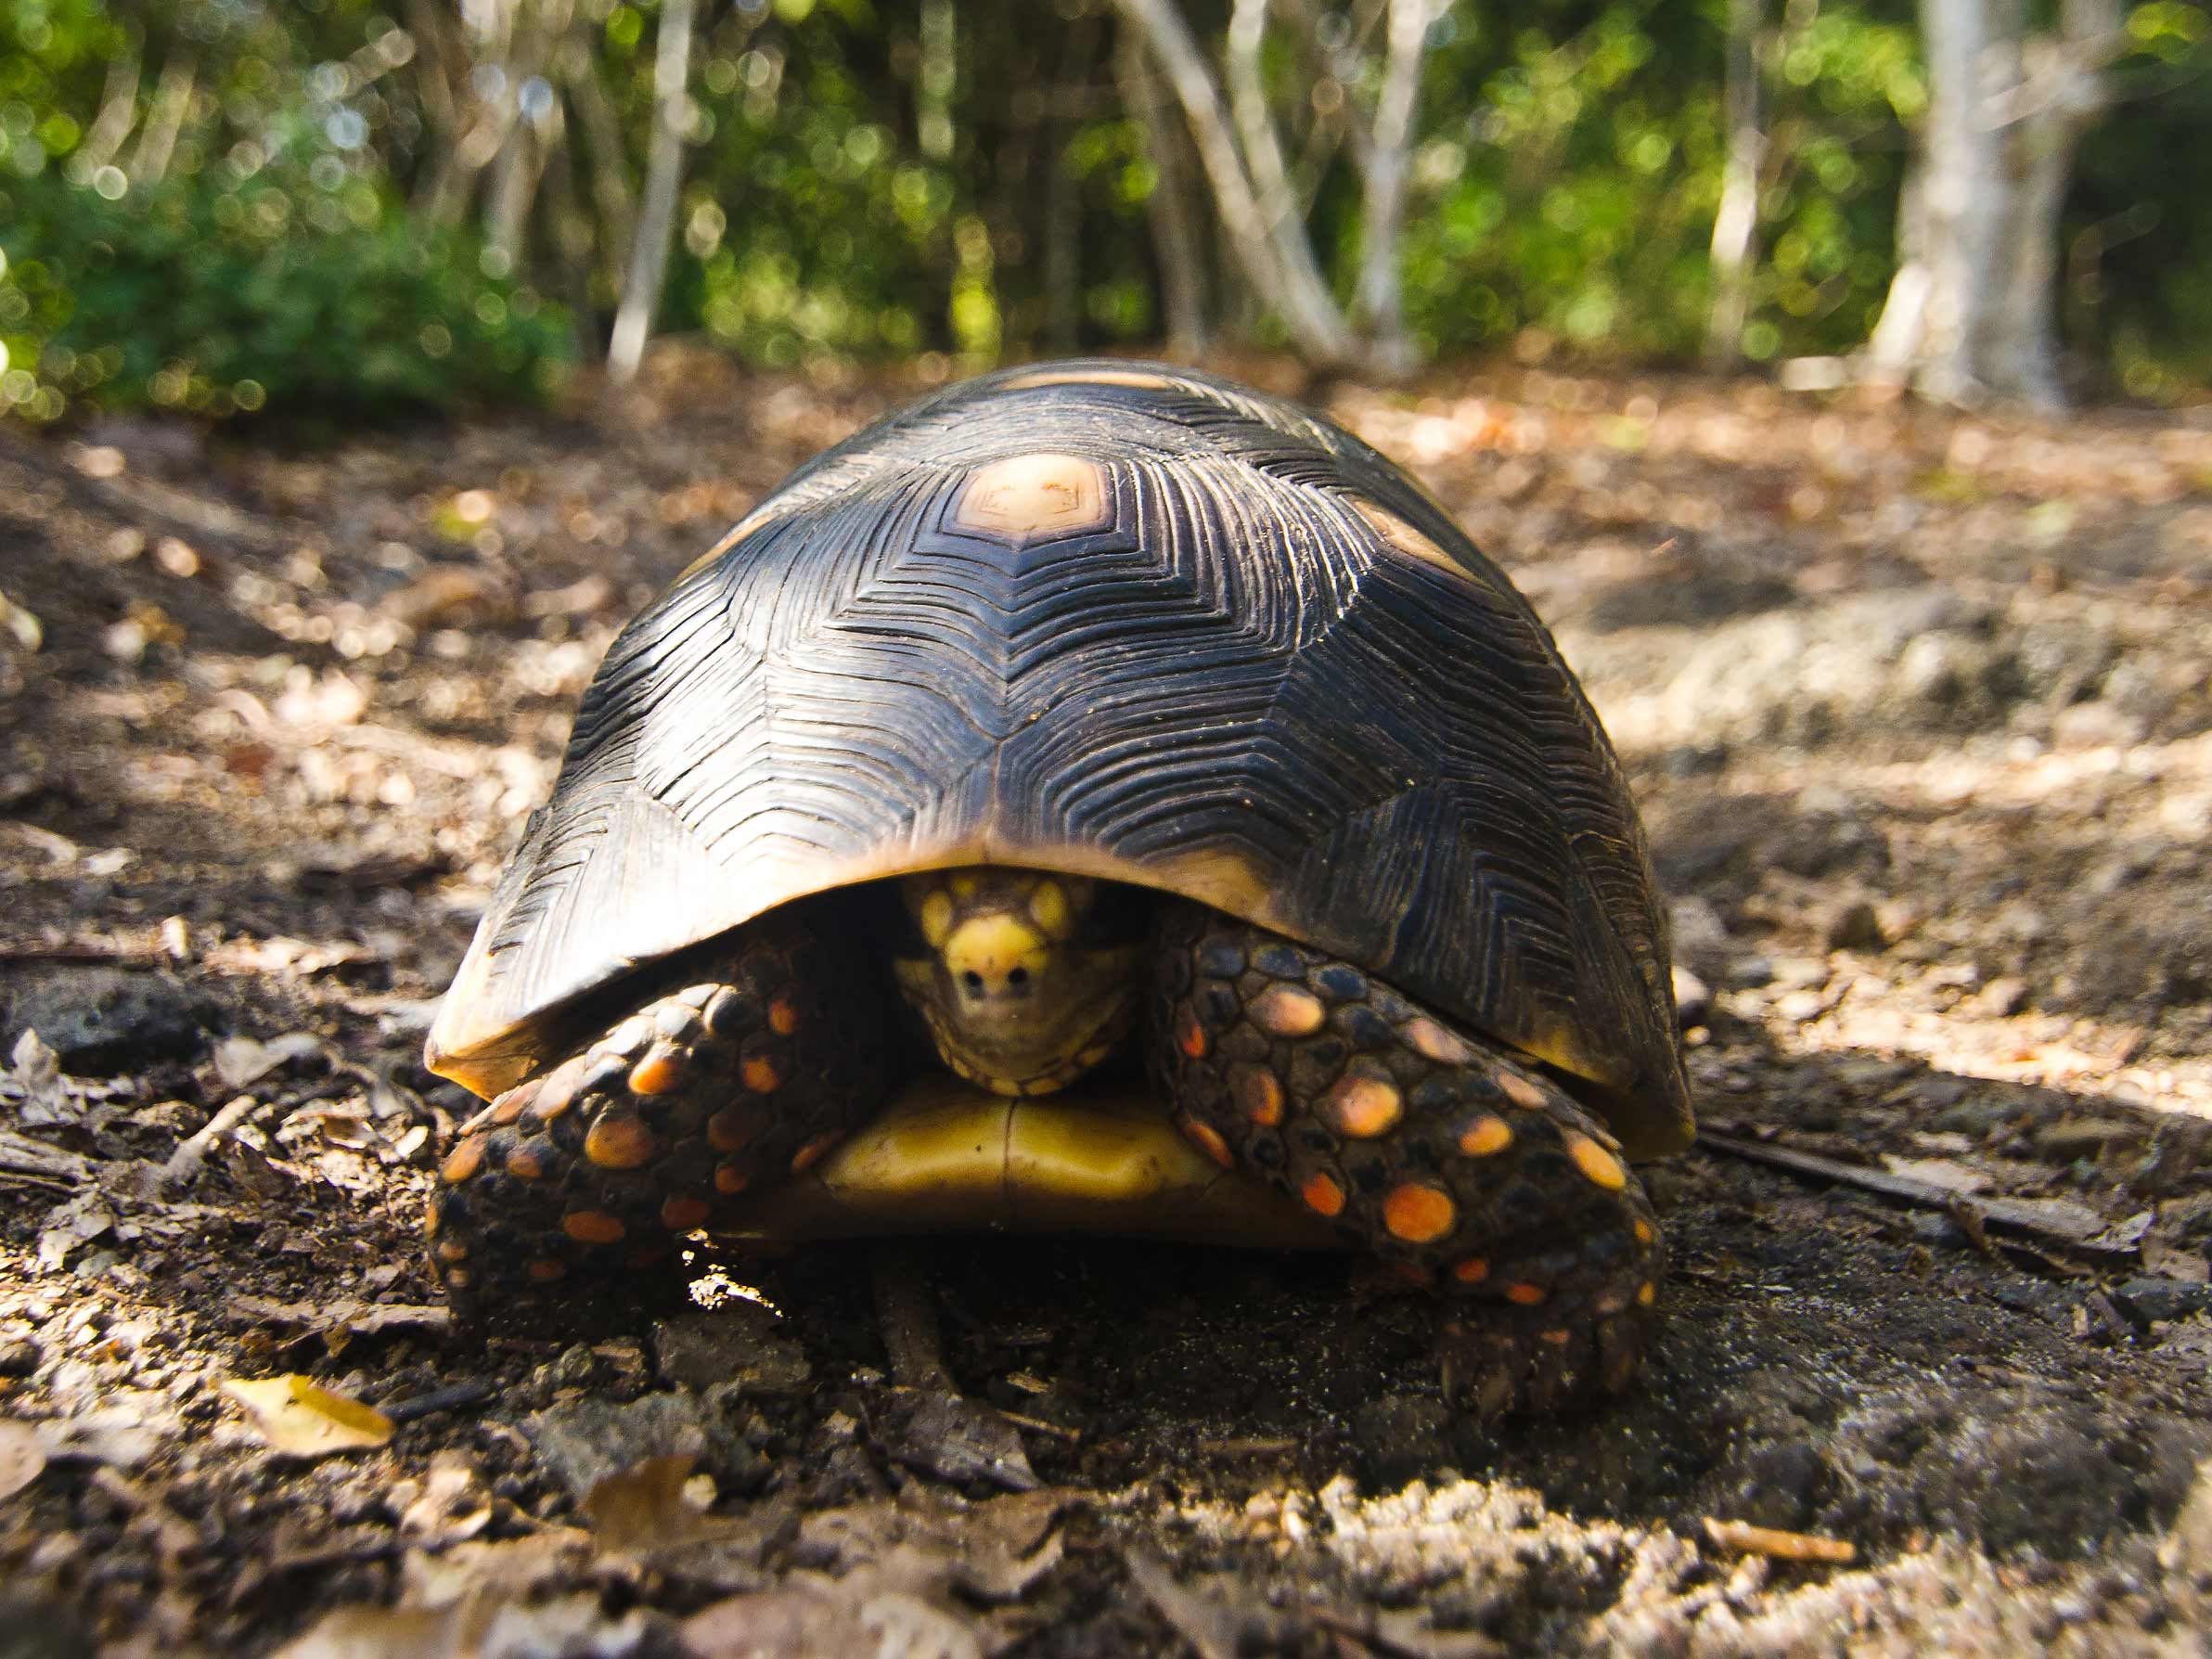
[
  {"x": 956, "y": 177},
  {"x": 218, "y": 296},
  {"x": 278, "y": 275}
]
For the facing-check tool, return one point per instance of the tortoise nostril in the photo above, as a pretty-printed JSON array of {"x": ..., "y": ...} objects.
[
  {"x": 973, "y": 980},
  {"x": 1019, "y": 979}
]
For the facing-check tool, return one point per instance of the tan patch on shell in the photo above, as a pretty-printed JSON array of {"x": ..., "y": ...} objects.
[
  {"x": 1419, "y": 1212},
  {"x": 1090, "y": 376},
  {"x": 1401, "y": 536},
  {"x": 1285, "y": 1010},
  {"x": 620, "y": 1141},
  {"x": 1598, "y": 1166},
  {"x": 1364, "y": 1107},
  {"x": 1485, "y": 1137},
  {"x": 1032, "y": 496},
  {"x": 592, "y": 1227}
]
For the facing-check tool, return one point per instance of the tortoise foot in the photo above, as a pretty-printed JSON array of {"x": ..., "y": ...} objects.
[
  {"x": 1451, "y": 1157},
  {"x": 755, "y": 1059}
]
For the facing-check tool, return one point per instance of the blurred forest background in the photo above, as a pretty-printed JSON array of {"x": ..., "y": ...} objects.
[{"x": 340, "y": 208}]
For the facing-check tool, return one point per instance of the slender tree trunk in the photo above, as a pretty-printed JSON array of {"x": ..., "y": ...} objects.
[
  {"x": 1284, "y": 274},
  {"x": 569, "y": 235},
  {"x": 1736, "y": 226},
  {"x": 522, "y": 157},
  {"x": 612, "y": 195},
  {"x": 119, "y": 114},
  {"x": 172, "y": 101},
  {"x": 1168, "y": 209},
  {"x": 1380, "y": 300},
  {"x": 1972, "y": 311},
  {"x": 665, "y": 167},
  {"x": 1063, "y": 202}
]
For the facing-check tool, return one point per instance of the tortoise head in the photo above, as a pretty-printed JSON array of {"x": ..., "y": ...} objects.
[{"x": 1022, "y": 988}]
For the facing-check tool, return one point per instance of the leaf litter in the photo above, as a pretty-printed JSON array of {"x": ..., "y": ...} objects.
[{"x": 1928, "y": 772}]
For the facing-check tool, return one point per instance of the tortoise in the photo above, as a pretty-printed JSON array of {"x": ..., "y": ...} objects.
[{"x": 1097, "y": 796}]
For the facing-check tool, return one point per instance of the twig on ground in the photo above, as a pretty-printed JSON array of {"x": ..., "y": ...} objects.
[
  {"x": 2010, "y": 1215},
  {"x": 1744, "y": 1538}
]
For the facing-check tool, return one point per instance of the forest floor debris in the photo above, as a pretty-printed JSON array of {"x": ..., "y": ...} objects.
[{"x": 1920, "y": 708}]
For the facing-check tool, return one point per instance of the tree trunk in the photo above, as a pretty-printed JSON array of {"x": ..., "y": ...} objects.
[
  {"x": 1389, "y": 164},
  {"x": 612, "y": 195},
  {"x": 1736, "y": 226},
  {"x": 665, "y": 167},
  {"x": 1972, "y": 311},
  {"x": 173, "y": 101},
  {"x": 119, "y": 114},
  {"x": 1281, "y": 269},
  {"x": 1168, "y": 209}
]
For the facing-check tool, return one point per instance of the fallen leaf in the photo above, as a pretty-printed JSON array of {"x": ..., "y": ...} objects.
[
  {"x": 644, "y": 1508},
  {"x": 302, "y": 1419},
  {"x": 22, "y": 1456},
  {"x": 35, "y": 1072},
  {"x": 240, "y": 1060}
]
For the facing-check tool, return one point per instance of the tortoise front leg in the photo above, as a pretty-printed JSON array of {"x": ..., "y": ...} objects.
[
  {"x": 755, "y": 1060},
  {"x": 1433, "y": 1147}
]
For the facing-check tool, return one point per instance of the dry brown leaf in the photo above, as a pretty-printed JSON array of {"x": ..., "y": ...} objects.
[
  {"x": 303, "y": 1420},
  {"x": 643, "y": 1507}
]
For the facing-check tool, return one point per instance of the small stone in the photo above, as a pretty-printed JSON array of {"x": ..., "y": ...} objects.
[
  {"x": 2006, "y": 994},
  {"x": 2156, "y": 1299},
  {"x": 740, "y": 1344},
  {"x": 1856, "y": 927},
  {"x": 18, "y": 1357},
  {"x": 581, "y": 1442}
]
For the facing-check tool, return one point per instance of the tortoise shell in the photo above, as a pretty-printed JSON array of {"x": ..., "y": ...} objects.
[{"x": 1123, "y": 621}]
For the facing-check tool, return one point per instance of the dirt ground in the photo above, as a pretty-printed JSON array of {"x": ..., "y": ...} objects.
[{"x": 1919, "y": 706}]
